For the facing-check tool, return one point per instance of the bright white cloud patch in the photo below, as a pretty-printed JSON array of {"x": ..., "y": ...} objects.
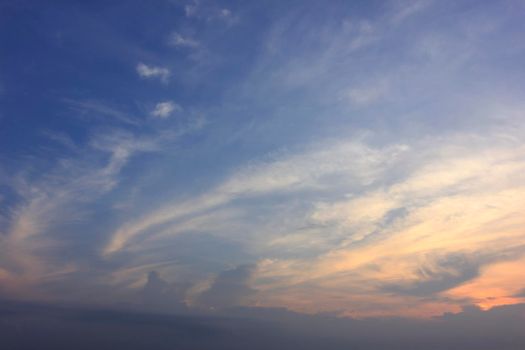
[
  {"x": 165, "y": 109},
  {"x": 145, "y": 71}
]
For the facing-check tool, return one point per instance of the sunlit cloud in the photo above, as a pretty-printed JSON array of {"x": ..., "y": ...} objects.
[
  {"x": 444, "y": 215},
  {"x": 458, "y": 219}
]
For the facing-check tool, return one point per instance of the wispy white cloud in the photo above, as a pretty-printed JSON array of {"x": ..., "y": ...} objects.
[
  {"x": 165, "y": 109},
  {"x": 227, "y": 16},
  {"x": 178, "y": 40},
  {"x": 293, "y": 173},
  {"x": 197, "y": 10},
  {"x": 97, "y": 109},
  {"x": 53, "y": 199},
  {"x": 367, "y": 94},
  {"x": 446, "y": 204},
  {"x": 225, "y": 13},
  {"x": 361, "y": 33},
  {"x": 191, "y": 9},
  {"x": 405, "y": 9},
  {"x": 146, "y": 71},
  {"x": 355, "y": 216},
  {"x": 360, "y": 224}
]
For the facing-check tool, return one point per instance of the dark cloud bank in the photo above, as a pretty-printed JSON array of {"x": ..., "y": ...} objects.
[
  {"x": 40, "y": 326},
  {"x": 160, "y": 319}
]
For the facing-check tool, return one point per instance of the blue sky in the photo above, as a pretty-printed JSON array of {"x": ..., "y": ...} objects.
[{"x": 363, "y": 158}]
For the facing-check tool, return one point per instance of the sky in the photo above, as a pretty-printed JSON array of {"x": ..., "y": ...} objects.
[{"x": 358, "y": 159}]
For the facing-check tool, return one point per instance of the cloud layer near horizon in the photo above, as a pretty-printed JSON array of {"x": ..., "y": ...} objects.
[{"x": 30, "y": 325}]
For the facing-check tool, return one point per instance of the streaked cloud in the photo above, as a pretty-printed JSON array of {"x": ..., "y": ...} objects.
[
  {"x": 358, "y": 160},
  {"x": 181, "y": 41},
  {"x": 58, "y": 196},
  {"x": 387, "y": 233},
  {"x": 293, "y": 174},
  {"x": 365, "y": 95},
  {"x": 458, "y": 213},
  {"x": 95, "y": 109},
  {"x": 404, "y": 9}
]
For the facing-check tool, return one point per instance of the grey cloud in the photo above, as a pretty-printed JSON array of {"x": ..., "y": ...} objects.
[
  {"x": 520, "y": 294},
  {"x": 230, "y": 288},
  {"x": 158, "y": 294},
  {"x": 443, "y": 274},
  {"x": 203, "y": 252},
  {"x": 392, "y": 215}
]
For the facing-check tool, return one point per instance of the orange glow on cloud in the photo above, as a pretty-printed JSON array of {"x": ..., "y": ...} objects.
[
  {"x": 454, "y": 208},
  {"x": 498, "y": 285}
]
